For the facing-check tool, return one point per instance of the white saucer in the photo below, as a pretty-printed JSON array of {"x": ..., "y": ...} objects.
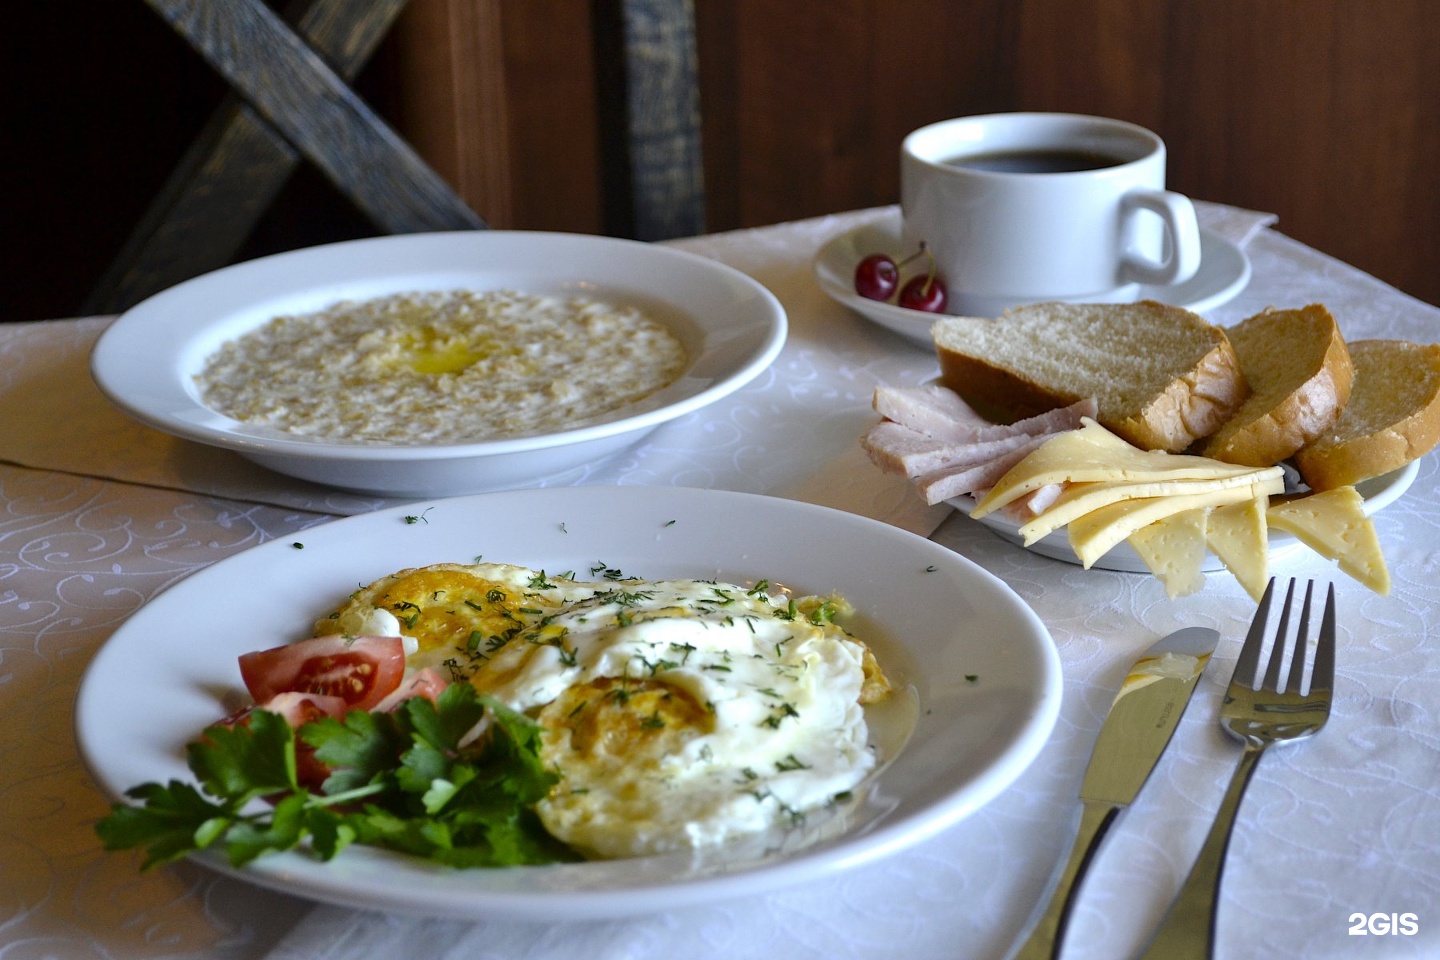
[{"x": 1224, "y": 272}]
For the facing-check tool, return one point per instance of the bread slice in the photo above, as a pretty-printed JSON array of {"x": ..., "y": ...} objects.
[
  {"x": 1299, "y": 372},
  {"x": 1393, "y": 416},
  {"x": 1163, "y": 377}
]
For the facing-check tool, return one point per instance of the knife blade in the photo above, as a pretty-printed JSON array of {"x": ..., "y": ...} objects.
[{"x": 1142, "y": 718}]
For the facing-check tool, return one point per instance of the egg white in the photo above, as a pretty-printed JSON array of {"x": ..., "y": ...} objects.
[{"x": 679, "y": 714}]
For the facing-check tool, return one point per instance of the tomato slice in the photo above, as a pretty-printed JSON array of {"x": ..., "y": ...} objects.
[
  {"x": 296, "y": 709},
  {"x": 361, "y": 671},
  {"x": 427, "y": 683},
  {"x": 299, "y": 709}
]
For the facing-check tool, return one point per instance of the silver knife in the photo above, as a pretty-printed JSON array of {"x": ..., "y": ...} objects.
[{"x": 1141, "y": 719}]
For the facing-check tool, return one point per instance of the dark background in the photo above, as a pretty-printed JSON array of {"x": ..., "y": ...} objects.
[{"x": 1323, "y": 111}]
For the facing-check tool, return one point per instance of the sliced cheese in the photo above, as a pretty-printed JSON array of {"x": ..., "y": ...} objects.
[
  {"x": 1334, "y": 525},
  {"x": 1240, "y": 537},
  {"x": 1093, "y": 535},
  {"x": 1082, "y": 498},
  {"x": 1173, "y": 548},
  {"x": 1093, "y": 453}
]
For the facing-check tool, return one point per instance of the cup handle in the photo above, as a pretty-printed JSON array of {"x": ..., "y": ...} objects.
[{"x": 1183, "y": 232}]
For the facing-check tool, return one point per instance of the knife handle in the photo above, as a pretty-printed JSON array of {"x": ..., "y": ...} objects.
[{"x": 1046, "y": 929}]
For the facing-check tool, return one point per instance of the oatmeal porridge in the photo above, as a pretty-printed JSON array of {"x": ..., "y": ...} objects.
[{"x": 442, "y": 367}]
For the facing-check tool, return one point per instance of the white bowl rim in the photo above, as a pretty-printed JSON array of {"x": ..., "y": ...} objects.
[{"x": 134, "y": 333}]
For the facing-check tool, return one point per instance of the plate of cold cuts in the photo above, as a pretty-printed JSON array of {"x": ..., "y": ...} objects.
[{"x": 954, "y": 455}]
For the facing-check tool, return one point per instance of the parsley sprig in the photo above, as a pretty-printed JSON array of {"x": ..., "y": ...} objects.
[{"x": 401, "y": 780}]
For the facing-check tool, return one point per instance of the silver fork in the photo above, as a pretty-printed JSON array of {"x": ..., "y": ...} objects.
[{"x": 1258, "y": 718}]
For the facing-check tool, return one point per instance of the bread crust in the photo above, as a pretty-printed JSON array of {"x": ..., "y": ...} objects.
[
  {"x": 999, "y": 395},
  {"x": 1281, "y": 418},
  {"x": 1193, "y": 404},
  {"x": 1340, "y": 459}
]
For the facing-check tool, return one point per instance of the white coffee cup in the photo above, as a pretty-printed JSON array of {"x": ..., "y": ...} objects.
[{"x": 1024, "y": 207}]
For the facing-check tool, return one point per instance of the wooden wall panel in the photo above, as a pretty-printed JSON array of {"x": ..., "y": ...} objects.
[
  {"x": 500, "y": 96},
  {"x": 806, "y": 103},
  {"x": 450, "y": 91},
  {"x": 1109, "y": 59},
  {"x": 1323, "y": 111},
  {"x": 553, "y": 127}
]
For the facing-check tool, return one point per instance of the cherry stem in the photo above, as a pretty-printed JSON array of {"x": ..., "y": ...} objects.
[
  {"x": 930, "y": 275},
  {"x": 924, "y": 248}
]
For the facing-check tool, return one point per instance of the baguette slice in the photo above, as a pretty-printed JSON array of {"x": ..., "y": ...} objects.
[
  {"x": 1393, "y": 416},
  {"x": 1163, "y": 377},
  {"x": 1300, "y": 375}
]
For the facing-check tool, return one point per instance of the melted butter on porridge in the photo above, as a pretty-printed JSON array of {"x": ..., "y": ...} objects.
[{"x": 442, "y": 367}]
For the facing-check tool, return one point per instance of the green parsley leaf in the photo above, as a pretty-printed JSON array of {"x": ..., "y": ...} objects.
[
  {"x": 247, "y": 760},
  {"x": 175, "y": 820},
  {"x": 285, "y": 828},
  {"x": 416, "y": 780},
  {"x": 359, "y": 748}
]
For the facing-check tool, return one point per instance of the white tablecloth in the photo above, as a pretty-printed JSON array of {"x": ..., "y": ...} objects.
[{"x": 97, "y": 515}]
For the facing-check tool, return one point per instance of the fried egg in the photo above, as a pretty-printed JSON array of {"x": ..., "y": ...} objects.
[{"x": 678, "y": 714}]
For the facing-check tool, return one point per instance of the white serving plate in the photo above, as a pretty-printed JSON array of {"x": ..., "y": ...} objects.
[
  {"x": 979, "y": 676},
  {"x": 1379, "y": 492},
  {"x": 1224, "y": 272},
  {"x": 732, "y": 327}
]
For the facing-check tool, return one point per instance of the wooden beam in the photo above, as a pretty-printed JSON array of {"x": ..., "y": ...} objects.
[
  {"x": 301, "y": 97},
  {"x": 659, "y": 153},
  {"x": 233, "y": 170}
]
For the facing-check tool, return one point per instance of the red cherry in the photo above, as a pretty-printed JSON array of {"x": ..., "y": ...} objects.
[
  {"x": 925, "y": 292},
  {"x": 876, "y": 277}
]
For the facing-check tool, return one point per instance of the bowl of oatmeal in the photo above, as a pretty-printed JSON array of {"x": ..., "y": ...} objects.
[{"x": 437, "y": 364}]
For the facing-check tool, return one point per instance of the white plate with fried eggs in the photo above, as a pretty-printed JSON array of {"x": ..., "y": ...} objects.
[
  {"x": 146, "y": 362},
  {"x": 977, "y": 679}
]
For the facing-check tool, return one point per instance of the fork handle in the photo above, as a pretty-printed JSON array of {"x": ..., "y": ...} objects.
[{"x": 1188, "y": 930}]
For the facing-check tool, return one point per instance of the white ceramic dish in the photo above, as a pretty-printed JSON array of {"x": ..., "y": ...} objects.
[
  {"x": 1224, "y": 272},
  {"x": 982, "y": 677},
  {"x": 1379, "y": 492},
  {"x": 732, "y": 328}
]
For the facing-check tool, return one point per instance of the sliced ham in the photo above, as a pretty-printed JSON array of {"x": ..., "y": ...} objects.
[
  {"x": 1037, "y": 502},
  {"x": 957, "y": 481},
  {"x": 1061, "y": 418},
  {"x": 1025, "y": 508},
  {"x": 934, "y": 437},
  {"x": 898, "y": 449},
  {"x": 942, "y": 414},
  {"x": 934, "y": 411}
]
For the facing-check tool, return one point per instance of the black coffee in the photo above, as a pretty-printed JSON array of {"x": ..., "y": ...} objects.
[{"x": 1035, "y": 161}]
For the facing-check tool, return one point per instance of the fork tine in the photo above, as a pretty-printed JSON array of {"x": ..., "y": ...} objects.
[
  {"x": 1250, "y": 653},
  {"x": 1302, "y": 636},
  {"x": 1322, "y": 675},
  {"x": 1277, "y": 652}
]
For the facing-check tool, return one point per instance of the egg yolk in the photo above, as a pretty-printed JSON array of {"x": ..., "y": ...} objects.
[
  {"x": 450, "y": 609},
  {"x": 618, "y": 721}
]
